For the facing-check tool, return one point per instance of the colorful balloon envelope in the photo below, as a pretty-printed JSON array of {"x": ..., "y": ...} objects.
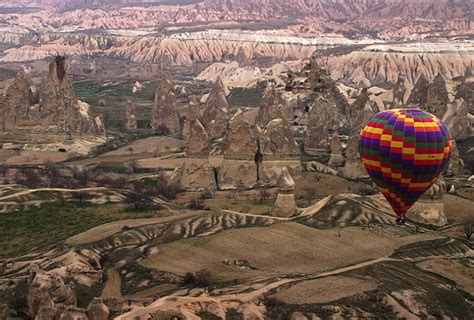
[{"x": 404, "y": 151}]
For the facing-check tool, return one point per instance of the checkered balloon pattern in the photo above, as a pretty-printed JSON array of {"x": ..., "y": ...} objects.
[{"x": 404, "y": 151}]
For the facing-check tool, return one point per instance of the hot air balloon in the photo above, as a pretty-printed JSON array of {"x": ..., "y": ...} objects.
[{"x": 404, "y": 151}]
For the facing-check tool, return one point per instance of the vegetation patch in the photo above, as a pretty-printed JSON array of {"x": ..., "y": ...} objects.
[{"x": 23, "y": 231}]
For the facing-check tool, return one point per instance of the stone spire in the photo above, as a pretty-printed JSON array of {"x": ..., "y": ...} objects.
[
  {"x": 285, "y": 204},
  {"x": 216, "y": 111},
  {"x": 164, "y": 113}
]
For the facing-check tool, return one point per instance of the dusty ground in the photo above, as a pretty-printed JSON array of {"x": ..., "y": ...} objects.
[
  {"x": 324, "y": 290},
  {"x": 37, "y": 157},
  {"x": 106, "y": 230},
  {"x": 279, "y": 249},
  {"x": 323, "y": 185},
  {"x": 461, "y": 272},
  {"x": 457, "y": 209},
  {"x": 157, "y": 145}
]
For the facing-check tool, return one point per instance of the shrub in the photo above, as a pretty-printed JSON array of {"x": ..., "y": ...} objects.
[
  {"x": 207, "y": 194},
  {"x": 365, "y": 190},
  {"x": 189, "y": 279},
  {"x": 162, "y": 130},
  {"x": 197, "y": 204},
  {"x": 203, "y": 278},
  {"x": 468, "y": 227}
]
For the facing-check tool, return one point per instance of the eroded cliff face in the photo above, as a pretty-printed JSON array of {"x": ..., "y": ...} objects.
[
  {"x": 51, "y": 105},
  {"x": 381, "y": 63}
]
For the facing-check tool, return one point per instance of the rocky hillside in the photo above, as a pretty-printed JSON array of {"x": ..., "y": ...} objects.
[
  {"x": 377, "y": 64},
  {"x": 50, "y": 104}
]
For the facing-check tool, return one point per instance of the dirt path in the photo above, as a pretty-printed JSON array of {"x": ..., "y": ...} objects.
[
  {"x": 113, "y": 284},
  {"x": 172, "y": 302}
]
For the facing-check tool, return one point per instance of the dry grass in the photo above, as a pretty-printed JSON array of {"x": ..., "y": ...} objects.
[
  {"x": 323, "y": 185},
  {"x": 324, "y": 290},
  {"x": 279, "y": 249},
  {"x": 457, "y": 209},
  {"x": 455, "y": 270},
  {"x": 158, "y": 145}
]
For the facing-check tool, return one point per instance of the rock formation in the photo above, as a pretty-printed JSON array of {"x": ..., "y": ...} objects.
[
  {"x": 197, "y": 175},
  {"x": 49, "y": 296},
  {"x": 97, "y": 310},
  {"x": 353, "y": 167},
  {"x": 277, "y": 141},
  {"x": 234, "y": 172},
  {"x": 336, "y": 159},
  {"x": 241, "y": 139},
  {"x": 285, "y": 204},
  {"x": 271, "y": 106},
  {"x": 455, "y": 165},
  {"x": 457, "y": 120},
  {"x": 51, "y": 105},
  {"x": 215, "y": 114},
  {"x": 198, "y": 139},
  {"x": 401, "y": 93},
  {"x": 437, "y": 97},
  {"x": 164, "y": 113},
  {"x": 319, "y": 79},
  {"x": 325, "y": 118},
  {"x": 130, "y": 111},
  {"x": 419, "y": 95},
  {"x": 465, "y": 90},
  {"x": 192, "y": 114},
  {"x": 429, "y": 209}
]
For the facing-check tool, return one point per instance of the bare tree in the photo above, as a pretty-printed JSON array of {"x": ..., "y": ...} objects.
[
  {"x": 135, "y": 195},
  {"x": 309, "y": 193},
  {"x": 79, "y": 196},
  {"x": 53, "y": 174},
  {"x": 468, "y": 226},
  {"x": 203, "y": 278},
  {"x": 31, "y": 178},
  {"x": 81, "y": 177},
  {"x": 4, "y": 170},
  {"x": 263, "y": 193}
]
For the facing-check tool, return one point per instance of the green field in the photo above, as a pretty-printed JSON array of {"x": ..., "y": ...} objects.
[{"x": 21, "y": 232}]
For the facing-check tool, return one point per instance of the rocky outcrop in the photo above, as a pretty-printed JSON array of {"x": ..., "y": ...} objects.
[
  {"x": 197, "y": 176},
  {"x": 97, "y": 310},
  {"x": 192, "y": 114},
  {"x": 49, "y": 296},
  {"x": 241, "y": 139},
  {"x": 325, "y": 118},
  {"x": 465, "y": 90},
  {"x": 457, "y": 120},
  {"x": 429, "y": 209},
  {"x": 336, "y": 159},
  {"x": 379, "y": 64},
  {"x": 277, "y": 141},
  {"x": 419, "y": 94},
  {"x": 215, "y": 114},
  {"x": 51, "y": 105},
  {"x": 164, "y": 113},
  {"x": 237, "y": 172},
  {"x": 272, "y": 106},
  {"x": 130, "y": 115},
  {"x": 401, "y": 93},
  {"x": 455, "y": 164},
  {"x": 198, "y": 139},
  {"x": 437, "y": 97},
  {"x": 353, "y": 167},
  {"x": 285, "y": 204}
]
